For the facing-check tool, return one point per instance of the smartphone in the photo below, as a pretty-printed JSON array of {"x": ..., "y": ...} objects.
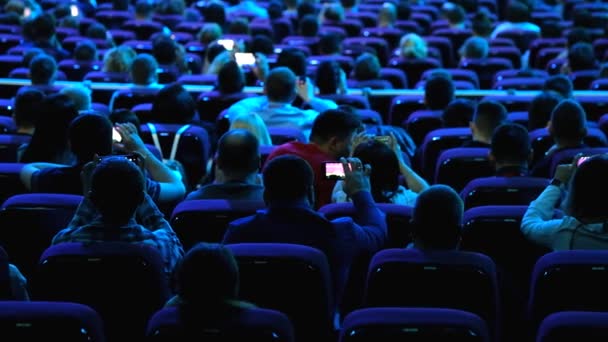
[
  {"x": 228, "y": 44},
  {"x": 244, "y": 58},
  {"x": 74, "y": 10},
  {"x": 27, "y": 12},
  {"x": 582, "y": 160},
  {"x": 115, "y": 135},
  {"x": 334, "y": 170},
  {"x": 385, "y": 139},
  {"x": 131, "y": 157}
]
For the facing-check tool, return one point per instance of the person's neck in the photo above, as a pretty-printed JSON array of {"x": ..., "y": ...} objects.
[{"x": 249, "y": 179}]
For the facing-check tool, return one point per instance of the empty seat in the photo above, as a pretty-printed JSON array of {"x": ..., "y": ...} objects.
[
  {"x": 456, "y": 167},
  {"x": 486, "y": 69},
  {"x": 211, "y": 104},
  {"x": 574, "y": 325},
  {"x": 436, "y": 142}
]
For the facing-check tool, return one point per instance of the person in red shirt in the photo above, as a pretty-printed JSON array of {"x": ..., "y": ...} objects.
[{"x": 332, "y": 136}]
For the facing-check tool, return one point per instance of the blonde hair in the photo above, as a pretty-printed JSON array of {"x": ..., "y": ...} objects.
[
  {"x": 118, "y": 59},
  {"x": 254, "y": 124},
  {"x": 413, "y": 46}
]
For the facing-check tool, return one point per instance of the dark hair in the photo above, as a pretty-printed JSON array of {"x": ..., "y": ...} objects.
[
  {"x": 239, "y": 26},
  {"x": 287, "y": 178},
  {"x": 438, "y": 92},
  {"x": 582, "y": 18},
  {"x": 330, "y": 43},
  {"x": 518, "y": 12},
  {"x": 588, "y": 180},
  {"x": 29, "y": 54},
  {"x": 433, "y": 230},
  {"x": 238, "y": 153},
  {"x": 50, "y": 140},
  {"x": 581, "y": 57},
  {"x": 274, "y": 10},
  {"x": 280, "y": 85},
  {"x": 164, "y": 49},
  {"x": 214, "y": 13},
  {"x": 120, "y": 5},
  {"x": 306, "y": 8},
  {"x": 173, "y": 104},
  {"x": 560, "y": 84},
  {"x": 117, "y": 175},
  {"x": 42, "y": 27},
  {"x": 144, "y": 8},
  {"x": 578, "y": 35},
  {"x": 539, "y": 112},
  {"x": 459, "y": 113},
  {"x": 262, "y": 44},
  {"x": 294, "y": 59},
  {"x": 90, "y": 134},
  {"x": 384, "y": 178},
  {"x": 213, "y": 50},
  {"x": 85, "y": 51},
  {"x": 143, "y": 69},
  {"x": 96, "y": 31},
  {"x": 367, "y": 67},
  {"x": 230, "y": 78},
  {"x": 27, "y": 106},
  {"x": 569, "y": 121},
  {"x": 489, "y": 115},
  {"x": 309, "y": 26},
  {"x": 334, "y": 123},
  {"x": 454, "y": 14},
  {"x": 327, "y": 77},
  {"x": 511, "y": 144},
  {"x": 125, "y": 116},
  {"x": 43, "y": 69}
]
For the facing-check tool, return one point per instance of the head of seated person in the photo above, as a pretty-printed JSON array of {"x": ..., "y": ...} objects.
[
  {"x": 254, "y": 124},
  {"x": 97, "y": 31},
  {"x": 481, "y": 25},
  {"x": 116, "y": 190},
  {"x": 511, "y": 147},
  {"x": 384, "y": 177},
  {"x": 209, "y": 32},
  {"x": 578, "y": 35},
  {"x": 474, "y": 48},
  {"x": 214, "y": 12},
  {"x": 173, "y": 104},
  {"x": 125, "y": 116},
  {"x": 367, "y": 67},
  {"x": 213, "y": 50},
  {"x": 85, "y": 51},
  {"x": 41, "y": 29},
  {"x": 80, "y": 95},
  {"x": 333, "y": 131},
  {"x": 330, "y": 44},
  {"x": 459, "y": 113},
  {"x": 288, "y": 180},
  {"x": 560, "y": 84},
  {"x": 437, "y": 232},
  {"x": 330, "y": 78},
  {"x": 143, "y": 10},
  {"x": 488, "y": 115},
  {"x": 581, "y": 57},
  {"x": 171, "y": 7},
  {"x": 582, "y": 18},
  {"x": 239, "y": 26},
  {"x": 29, "y": 55},
  {"x": 518, "y": 12},
  {"x": 26, "y": 108},
  {"x": 230, "y": 79},
  {"x": 413, "y": 46},
  {"x": 118, "y": 59},
  {"x": 237, "y": 157},
  {"x": 143, "y": 70},
  {"x": 333, "y": 12},
  {"x": 454, "y": 14},
  {"x": 568, "y": 125},
  {"x": 261, "y": 43},
  {"x": 306, "y": 8},
  {"x": 165, "y": 50},
  {"x": 540, "y": 109},
  {"x": 387, "y": 16},
  {"x": 294, "y": 59},
  {"x": 588, "y": 180},
  {"x": 43, "y": 70},
  {"x": 275, "y": 10},
  {"x": 90, "y": 135},
  {"x": 438, "y": 92},
  {"x": 280, "y": 85}
]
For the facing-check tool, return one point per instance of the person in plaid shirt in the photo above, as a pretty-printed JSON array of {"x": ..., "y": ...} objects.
[{"x": 117, "y": 208}]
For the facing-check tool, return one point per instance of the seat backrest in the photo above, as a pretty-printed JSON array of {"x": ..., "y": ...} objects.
[
  {"x": 281, "y": 135},
  {"x": 293, "y": 279},
  {"x": 436, "y": 142},
  {"x": 128, "y": 98},
  {"x": 402, "y": 106},
  {"x": 415, "y": 278},
  {"x": 520, "y": 83},
  {"x": 413, "y": 324},
  {"x": 56, "y": 321},
  {"x": 421, "y": 122},
  {"x": 486, "y": 68},
  {"x": 211, "y": 104},
  {"x": 541, "y": 140},
  {"x": 502, "y": 191},
  {"x": 124, "y": 282},
  {"x": 456, "y": 167},
  {"x": 566, "y": 156},
  {"x": 9, "y": 145},
  {"x": 573, "y": 325},
  {"x": 414, "y": 67},
  {"x": 207, "y": 220},
  {"x": 10, "y": 181}
]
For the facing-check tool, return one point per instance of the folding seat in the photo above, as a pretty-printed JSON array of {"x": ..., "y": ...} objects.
[
  {"x": 572, "y": 280},
  {"x": 566, "y": 156},
  {"x": 9, "y": 145},
  {"x": 530, "y": 73},
  {"x": 75, "y": 70},
  {"x": 107, "y": 77},
  {"x": 14, "y": 29},
  {"x": 366, "y": 18},
  {"x": 498, "y": 42},
  {"x": 7, "y": 124},
  {"x": 180, "y": 37},
  {"x": 538, "y": 44},
  {"x": 265, "y": 151},
  {"x": 456, "y": 36},
  {"x": 413, "y": 324},
  {"x": 139, "y": 45},
  {"x": 293, "y": 279},
  {"x": 207, "y": 220},
  {"x": 599, "y": 84},
  {"x": 356, "y": 101},
  {"x": 189, "y": 27},
  {"x": 346, "y": 62},
  {"x": 486, "y": 69},
  {"x": 582, "y": 79},
  {"x": 261, "y": 28},
  {"x": 142, "y": 29},
  {"x": 434, "y": 279},
  {"x": 333, "y": 28},
  {"x": 56, "y": 321},
  {"x": 396, "y": 76},
  {"x": 69, "y": 43},
  {"x": 600, "y": 46},
  {"x": 513, "y": 103},
  {"x": 595, "y": 106},
  {"x": 520, "y": 83},
  {"x": 401, "y": 108},
  {"x": 128, "y": 98},
  {"x": 421, "y": 122},
  {"x": 603, "y": 123},
  {"x": 112, "y": 19},
  {"x": 574, "y": 325},
  {"x": 444, "y": 45},
  {"x": 414, "y": 68},
  {"x": 378, "y": 44},
  {"x": 458, "y": 85},
  {"x": 124, "y": 282},
  {"x": 511, "y": 53},
  {"x": 502, "y": 191},
  {"x": 310, "y": 42},
  {"x": 456, "y": 167},
  {"x": 376, "y": 83},
  {"x": 430, "y": 10},
  {"x": 211, "y": 104},
  {"x": 370, "y": 117},
  {"x": 521, "y": 38},
  {"x": 409, "y": 26},
  {"x": 121, "y": 36},
  {"x": 457, "y": 75},
  {"x": 281, "y": 28},
  {"x": 8, "y": 63},
  {"x": 437, "y": 141},
  {"x": 391, "y": 35},
  {"x": 281, "y": 135},
  {"x": 192, "y": 148},
  {"x": 541, "y": 141},
  {"x": 554, "y": 66},
  {"x": 8, "y": 41},
  {"x": 169, "y": 20},
  {"x": 518, "y": 118},
  {"x": 253, "y": 324}
]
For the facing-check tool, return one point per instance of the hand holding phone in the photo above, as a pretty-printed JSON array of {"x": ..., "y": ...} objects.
[
  {"x": 228, "y": 44},
  {"x": 334, "y": 171},
  {"x": 116, "y": 137},
  {"x": 385, "y": 139},
  {"x": 581, "y": 160}
]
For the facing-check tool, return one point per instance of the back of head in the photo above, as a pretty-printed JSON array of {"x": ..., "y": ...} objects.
[
  {"x": 327, "y": 77},
  {"x": 287, "y": 179},
  {"x": 388, "y": 13},
  {"x": 144, "y": 9},
  {"x": 261, "y": 43},
  {"x": 124, "y": 116},
  {"x": 294, "y": 59},
  {"x": 582, "y": 18},
  {"x": 305, "y": 8},
  {"x": 207, "y": 275},
  {"x": 568, "y": 121},
  {"x": 117, "y": 189},
  {"x": 560, "y": 84},
  {"x": 330, "y": 44},
  {"x": 488, "y": 116},
  {"x": 214, "y": 13},
  {"x": 578, "y": 35},
  {"x": 458, "y": 113},
  {"x": 90, "y": 134},
  {"x": 213, "y": 50},
  {"x": 511, "y": 144},
  {"x": 518, "y": 12},
  {"x": 230, "y": 79},
  {"x": 367, "y": 67},
  {"x": 581, "y": 57},
  {"x": 27, "y": 106},
  {"x": 85, "y": 51},
  {"x": 384, "y": 177},
  {"x": 540, "y": 109},
  {"x": 209, "y": 32},
  {"x": 30, "y": 54},
  {"x": 438, "y": 92},
  {"x": 97, "y": 31},
  {"x": 118, "y": 59},
  {"x": 433, "y": 231},
  {"x": 475, "y": 48},
  {"x": 309, "y": 26},
  {"x": 253, "y": 123},
  {"x": 238, "y": 154},
  {"x": 280, "y": 85},
  {"x": 334, "y": 12},
  {"x": 173, "y": 104},
  {"x": 274, "y": 9},
  {"x": 481, "y": 24},
  {"x": 143, "y": 69},
  {"x": 454, "y": 13},
  {"x": 80, "y": 95},
  {"x": 334, "y": 123},
  {"x": 43, "y": 70},
  {"x": 164, "y": 49},
  {"x": 239, "y": 26},
  {"x": 43, "y": 27},
  {"x": 588, "y": 180},
  {"x": 413, "y": 46}
]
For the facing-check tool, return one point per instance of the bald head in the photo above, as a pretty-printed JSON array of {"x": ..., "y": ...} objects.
[
  {"x": 281, "y": 85},
  {"x": 238, "y": 154},
  {"x": 437, "y": 231}
]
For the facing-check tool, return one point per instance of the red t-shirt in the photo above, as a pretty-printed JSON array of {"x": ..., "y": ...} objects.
[{"x": 315, "y": 157}]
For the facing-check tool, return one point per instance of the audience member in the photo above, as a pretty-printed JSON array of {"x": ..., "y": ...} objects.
[
  {"x": 481, "y": 25},
  {"x": 26, "y": 109},
  {"x": 254, "y": 124},
  {"x": 237, "y": 162},
  {"x": 331, "y": 13},
  {"x": 85, "y": 51},
  {"x": 309, "y": 26},
  {"x": 248, "y": 6},
  {"x": 100, "y": 32},
  {"x": 488, "y": 116},
  {"x": 239, "y": 26},
  {"x": 143, "y": 10},
  {"x": 261, "y": 43},
  {"x": 510, "y": 150},
  {"x": 413, "y": 46},
  {"x": 114, "y": 193},
  {"x": 387, "y": 16},
  {"x": 43, "y": 71},
  {"x": 332, "y": 137},
  {"x": 294, "y": 59},
  {"x": 40, "y": 32},
  {"x": 330, "y": 78},
  {"x": 455, "y": 15},
  {"x": 209, "y": 32},
  {"x": 474, "y": 48},
  {"x": 214, "y": 12},
  {"x": 118, "y": 59},
  {"x": 438, "y": 92},
  {"x": 230, "y": 79},
  {"x": 290, "y": 216},
  {"x": 517, "y": 18},
  {"x": 143, "y": 71},
  {"x": 367, "y": 72},
  {"x": 121, "y": 116},
  {"x": 330, "y": 44},
  {"x": 580, "y": 57},
  {"x": 350, "y": 6},
  {"x": 459, "y": 113},
  {"x": 560, "y": 84},
  {"x": 80, "y": 95},
  {"x": 539, "y": 113},
  {"x": 173, "y": 104}
]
